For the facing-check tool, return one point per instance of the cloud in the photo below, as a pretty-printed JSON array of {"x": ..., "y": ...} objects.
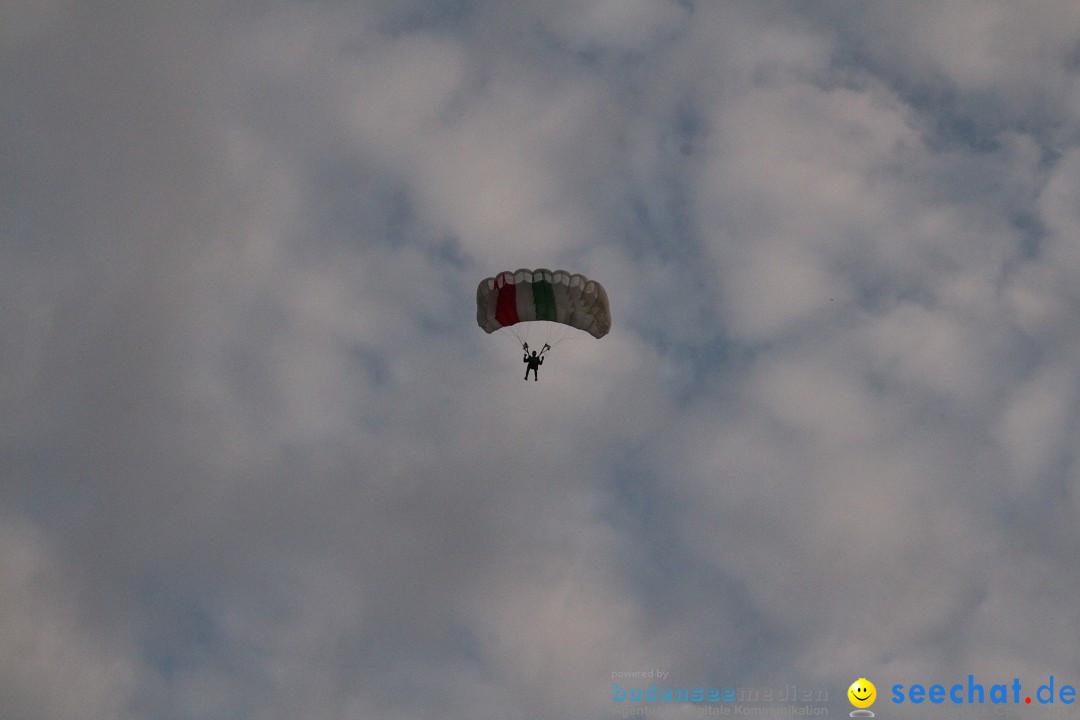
[
  {"x": 46, "y": 643},
  {"x": 260, "y": 462},
  {"x": 634, "y": 27}
]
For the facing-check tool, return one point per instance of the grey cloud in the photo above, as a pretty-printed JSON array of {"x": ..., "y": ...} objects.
[{"x": 260, "y": 462}]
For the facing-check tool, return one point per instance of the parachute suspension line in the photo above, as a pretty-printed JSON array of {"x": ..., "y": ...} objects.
[
  {"x": 541, "y": 336},
  {"x": 557, "y": 334},
  {"x": 521, "y": 339},
  {"x": 551, "y": 333},
  {"x": 560, "y": 340},
  {"x": 521, "y": 334}
]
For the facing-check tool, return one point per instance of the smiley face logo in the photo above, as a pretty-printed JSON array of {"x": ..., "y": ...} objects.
[{"x": 862, "y": 693}]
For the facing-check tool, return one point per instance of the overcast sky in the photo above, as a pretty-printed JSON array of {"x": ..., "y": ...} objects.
[{"x": 257, "y": 460}]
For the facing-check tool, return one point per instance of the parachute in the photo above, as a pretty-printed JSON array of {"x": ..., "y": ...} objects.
[{"x": 536, "y": 295}]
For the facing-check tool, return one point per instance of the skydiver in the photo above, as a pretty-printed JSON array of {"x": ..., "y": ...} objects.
[{"x": 534, "y": 361}]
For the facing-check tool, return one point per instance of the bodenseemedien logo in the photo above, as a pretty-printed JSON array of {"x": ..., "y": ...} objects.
[{"x": 862, "y": 694}]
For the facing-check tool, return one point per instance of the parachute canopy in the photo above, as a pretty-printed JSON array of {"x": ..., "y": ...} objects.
[{"x": 559, "y": 296}]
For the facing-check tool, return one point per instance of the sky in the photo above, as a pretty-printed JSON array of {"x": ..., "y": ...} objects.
[{"x": 257, "y": 460}]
